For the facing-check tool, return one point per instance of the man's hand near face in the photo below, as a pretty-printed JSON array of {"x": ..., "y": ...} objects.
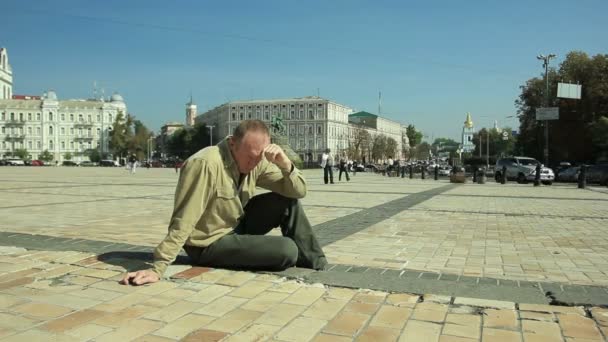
[{"x": 275, "y": 154}]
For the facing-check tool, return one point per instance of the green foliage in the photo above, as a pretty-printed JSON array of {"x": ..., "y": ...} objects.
[
  {"x": 22, "y": 153},
  {"x": 46, "y": 156},
  {"x": 93, "y": 155},
  {"x": 129, "y": 136},
  {"x": 413, "y": 135},
  {"x": 578, "y": 134},
  {"x": 187, "y": 141},
  {"x": 498, "y": 146},
  {"x": 67, "y": 156}
]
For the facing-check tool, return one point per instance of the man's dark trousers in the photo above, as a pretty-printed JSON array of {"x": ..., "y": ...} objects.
[
  {"x": 328, "y": 171},
  {"x": 249, "y": 248}
]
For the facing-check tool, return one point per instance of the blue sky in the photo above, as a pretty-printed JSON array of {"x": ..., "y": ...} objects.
[{"x": 432, "y": 60}]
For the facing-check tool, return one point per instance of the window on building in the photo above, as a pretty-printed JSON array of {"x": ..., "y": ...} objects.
[
  {"x": 29, "y": 145},
  {"x": 301, "y": 115},
  {"x": 63, "y": 145},
  {"x": 3, "y": 116},
  {"x": 50, "y": 130},
  {"x": 38, "y": 145},
  {"x": 267, "y": 115},
  {"x": 98, "y": 131},
  {"x": 72, "y": 117},
  {"x": 50, "y": 116},
  {"x": 233, "y": 116},
  {"x": 62, "y": 130},
  {"x": 89, "y": 118},
  {"x": 3, "y": 130},
  {"x": 98, "y": 118},
  {"x": 12, "y": 116},
  {"x": 51, "y": 146},
  {"x": 249, "y": 115},
  {"x": 89, "y": 132},
  {"x": 29, "y": 130},
  {"x": 292, "y": 114},
  {"x": 241, "y": 116},
  {"x": 80, "y": 119},
  {"x": 71, "y": 130},
  {"x": 62, "y": 117},
  {"x": 110, "y": 117},
  {"x": 38, "y": 131},
  {"x": 311, "y": 116},
  {"x": 71, "y": 145},
  {"x": 20, "y": 116}
]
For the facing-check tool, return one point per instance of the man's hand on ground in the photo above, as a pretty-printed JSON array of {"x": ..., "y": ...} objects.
[
  {"x": 140, "y": 278},
  {"x": 276, "y": 155}
]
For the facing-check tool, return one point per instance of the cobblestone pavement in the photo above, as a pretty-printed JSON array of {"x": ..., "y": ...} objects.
[{"x": 483, "y": 260}]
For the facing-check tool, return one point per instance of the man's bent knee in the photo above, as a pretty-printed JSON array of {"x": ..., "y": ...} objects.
[{"x": 286, "y": 253}]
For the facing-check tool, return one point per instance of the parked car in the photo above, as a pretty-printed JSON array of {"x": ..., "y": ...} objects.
[
  {"x": 69, "y": 163},
  {"x": 598, "y": 174},
  {"x": 523, "y": 169},
  {"x": 561, "y": 167},
  {"x": 14, "y": 162},
  {"x": 108, "y": 162},
  {"x": 87, "y": 163},
  {"x": 37, "y": 162},
  {"x": 568, "y": 175}
]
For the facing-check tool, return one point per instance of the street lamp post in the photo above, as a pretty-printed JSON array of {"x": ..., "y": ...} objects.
[
  {"x": 546, "y": 59},
  {"x": 210, "y": 134}
]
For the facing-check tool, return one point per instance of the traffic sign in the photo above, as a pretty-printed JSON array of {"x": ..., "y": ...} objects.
[{"x": 547, "y": 113}]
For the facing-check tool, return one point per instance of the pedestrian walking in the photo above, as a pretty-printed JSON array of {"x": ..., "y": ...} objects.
[
  {"x": 132, "y": 163},
  {"x": 327, "y": 163},
  {"x": 343, "y": 168}
]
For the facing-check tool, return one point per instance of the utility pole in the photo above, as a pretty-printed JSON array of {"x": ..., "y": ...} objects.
[
  {"x": 488, "y": 149},
  {"x": 210, "y": 134},
  {"x": 546, "y": 60}
]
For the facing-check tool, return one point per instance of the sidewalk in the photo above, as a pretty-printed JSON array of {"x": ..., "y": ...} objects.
[
  {"x": 411, "y": 260},
  {"x": 71, "y": 296}
]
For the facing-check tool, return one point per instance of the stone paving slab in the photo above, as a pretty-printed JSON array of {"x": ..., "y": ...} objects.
[
  {"x": 74, "y": 296},
  {"x": 511, "y": 232}
]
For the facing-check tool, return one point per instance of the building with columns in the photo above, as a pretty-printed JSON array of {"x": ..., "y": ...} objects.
[
  {"x": 312, "y": 123},
  {"x": 6, "y": 76},
  {"x": 39, "y": 123}
]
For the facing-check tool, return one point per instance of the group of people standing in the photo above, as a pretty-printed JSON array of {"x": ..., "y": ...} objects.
[{"x": 344, "y": 165}]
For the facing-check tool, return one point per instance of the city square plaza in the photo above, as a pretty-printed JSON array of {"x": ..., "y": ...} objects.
[{"x": 410, "y": 260}]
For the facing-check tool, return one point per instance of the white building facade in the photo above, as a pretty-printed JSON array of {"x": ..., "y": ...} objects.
[
  {"x": 312, "y": 123},
  {"x": 59, "y": 126},
  {"x": 6, "y": 76}
]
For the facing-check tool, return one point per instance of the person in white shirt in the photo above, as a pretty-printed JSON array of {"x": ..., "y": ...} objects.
[
  {"x": 389, "y": 167},
  {"x": 327, "y": 163}
]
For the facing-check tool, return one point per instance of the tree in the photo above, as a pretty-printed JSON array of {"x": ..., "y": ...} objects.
[
  {"x": 67, "y": 156},
  {"x": 577, "y": 135},
  {"x": 21, "y": 153},
  {"x": 497, "y": 144},
  {"x": 93, "y": 155},
  {"x": 121, "y": 134},
  {"x": 391, "y": 147},
  {"x": 414, "y": 136},
  {"x": 422, "y": 151},
  {"x": 378, "y": 147},
  {"x": 360, "y": 142},
  {"x": 186, "y": 141},
  {"x": 46, "y": 156}
]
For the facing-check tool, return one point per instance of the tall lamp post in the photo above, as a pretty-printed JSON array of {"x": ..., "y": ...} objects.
[
  {"x": 546, "y": 59},
  {"x": 210, "y": 134}
]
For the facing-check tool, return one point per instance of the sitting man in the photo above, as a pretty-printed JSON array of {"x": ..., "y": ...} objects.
[{"x": 218, "y": 222}]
